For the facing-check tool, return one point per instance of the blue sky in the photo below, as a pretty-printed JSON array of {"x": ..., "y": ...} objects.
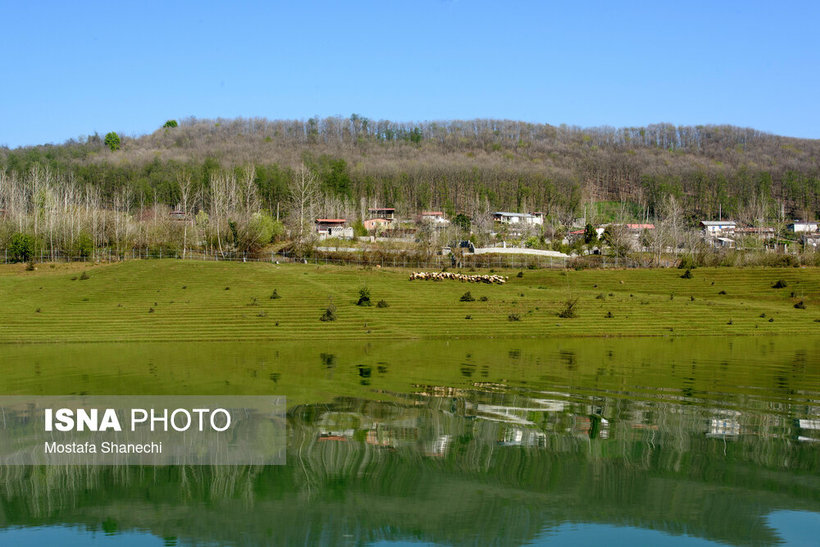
[{"x": 74, "y": 68}]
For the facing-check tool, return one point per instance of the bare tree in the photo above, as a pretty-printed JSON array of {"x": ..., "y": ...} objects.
[{"x": 304, "y": 192}]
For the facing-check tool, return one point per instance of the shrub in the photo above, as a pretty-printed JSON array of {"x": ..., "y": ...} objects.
[
  {"x": 382, "y": 304},
  {"x": 468, "y": 317},
  {"x": 513, "y": 317},
  {"x": 84, "y": 276},
  {"x": 275, "y": 295},
  {"x": 722, "y": 292},
  {"x": 780, "y": 284},
  {"x": 800, "y": 305},
  {"x": 30, "y": 266},
  {"x": 467, "y": 297},
  {"x": 687, "y": 274},
  {"x": 364, "y": 297},
  {"x": 686, "y": 263},
  {"x": 609, "y": 315},
  {"x": 483, "y": 299},
  {"x": 519, "y": 274},
  {"x": 330, "y": 313},
  {"x": 569, "y": 310}
]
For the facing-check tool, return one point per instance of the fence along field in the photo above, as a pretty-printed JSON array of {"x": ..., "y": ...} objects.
[{"x": 201, "y": 300}]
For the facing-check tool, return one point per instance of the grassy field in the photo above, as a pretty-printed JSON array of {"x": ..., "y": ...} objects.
[{"x": 170, "y": 300}]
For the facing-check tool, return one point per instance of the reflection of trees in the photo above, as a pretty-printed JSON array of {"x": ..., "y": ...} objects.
[{"x": 438, "y": 469}]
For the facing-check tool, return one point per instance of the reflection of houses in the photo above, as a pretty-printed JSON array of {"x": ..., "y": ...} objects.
[
  {"x": 333, "y": 227},
  {"x": 437, "y": 448},
  {"x": 724, "y": 425},
  {"x": 514, "y": 436},
  {"x": 714, "y": 228},
  {"x": 798, "y": 227},
  {"x": 809, "y": 430},
  {"x": 520, "y": 219}
]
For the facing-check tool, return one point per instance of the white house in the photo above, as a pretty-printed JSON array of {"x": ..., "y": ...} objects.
[
  {"x": 798, "y": 227},
  {"x": 436, "y": 217},
  {"x": 517, "y": 218},
  {"x": 718, "y": 227}
]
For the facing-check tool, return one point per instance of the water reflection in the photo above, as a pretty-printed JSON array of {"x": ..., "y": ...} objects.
[{"x": 571, "y": 442}]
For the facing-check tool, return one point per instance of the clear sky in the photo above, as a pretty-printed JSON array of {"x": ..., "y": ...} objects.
[{"x": 74, "y": 68}]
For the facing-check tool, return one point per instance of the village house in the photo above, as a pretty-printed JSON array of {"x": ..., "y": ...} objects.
[
  {"x": 387, "y": 213},
  {"x": 811, "y": 241},
  {"x": 376, "y": 224},
  {"x": 714, "y": 228},
  {"x": 178, "y": 216},
  {"x": 762, "y": 232},
  {"x": 333, "y": 227},
  {"x": 517, "y": 218},
  {"x": 435, "y": 217},
  {"x": 798, "y": 227}
]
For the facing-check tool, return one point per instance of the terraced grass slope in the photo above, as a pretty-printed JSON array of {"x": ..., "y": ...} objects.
[{"x": 167, "y": 300}]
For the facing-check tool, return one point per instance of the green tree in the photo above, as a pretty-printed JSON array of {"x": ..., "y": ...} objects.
[
  {"x": 590, "y": 235},
  {"x": 358, "y": 228},
  {"x": 84, "y": 246},
  {"x": 462, "y": 221},
  {"x": 170, "y": 123},
  {"x": 21, "y": 248},
  {"x": 112, "y": 141}
]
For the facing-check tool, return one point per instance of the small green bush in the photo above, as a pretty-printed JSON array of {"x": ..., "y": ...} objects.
[
  {"x": 364, "y": 297},
  {"x": 569, "y": 310},
  {"x": 513, "y": 317},
  {"x": 84, "y": 276},
  {"x": 382, "y": 304},
  {"x": 467, "y": 297},
  {"x": 275, "y": 295},
  {"x": 687, "y": 274},
  {"x": 800, "y": 305},
  {"x": 330, "y": 313},
  {"x": 780, "y": 284}
]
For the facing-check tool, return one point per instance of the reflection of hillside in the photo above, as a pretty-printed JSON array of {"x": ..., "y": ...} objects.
[{"x": 449, "y": 469}]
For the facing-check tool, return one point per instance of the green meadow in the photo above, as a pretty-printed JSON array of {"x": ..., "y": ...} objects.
[{"x": 172, "y": 300}]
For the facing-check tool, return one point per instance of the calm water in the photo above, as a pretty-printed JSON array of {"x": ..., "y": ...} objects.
[{"x": 643, "y": 441}]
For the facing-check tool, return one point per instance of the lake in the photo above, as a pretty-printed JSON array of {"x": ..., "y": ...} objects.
[{"x": 515, "y": 442}]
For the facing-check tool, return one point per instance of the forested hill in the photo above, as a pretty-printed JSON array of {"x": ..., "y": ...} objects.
[{"x": 468, "y": 166}]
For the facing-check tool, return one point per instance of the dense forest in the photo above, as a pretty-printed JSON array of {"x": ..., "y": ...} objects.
[{"x": 470, "y": 166}]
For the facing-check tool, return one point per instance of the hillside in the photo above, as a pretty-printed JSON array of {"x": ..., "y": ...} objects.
[{"x": 458, "y": 166}]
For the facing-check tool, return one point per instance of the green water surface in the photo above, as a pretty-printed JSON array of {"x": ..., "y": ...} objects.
[{"x": 652, "y": 441}]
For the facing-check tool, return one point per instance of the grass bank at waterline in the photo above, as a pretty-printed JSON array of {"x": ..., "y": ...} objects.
[{"x": 169, "y": 300}]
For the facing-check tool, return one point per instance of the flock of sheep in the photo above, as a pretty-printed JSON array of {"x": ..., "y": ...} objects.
[{"x": 441, "y": 276}]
